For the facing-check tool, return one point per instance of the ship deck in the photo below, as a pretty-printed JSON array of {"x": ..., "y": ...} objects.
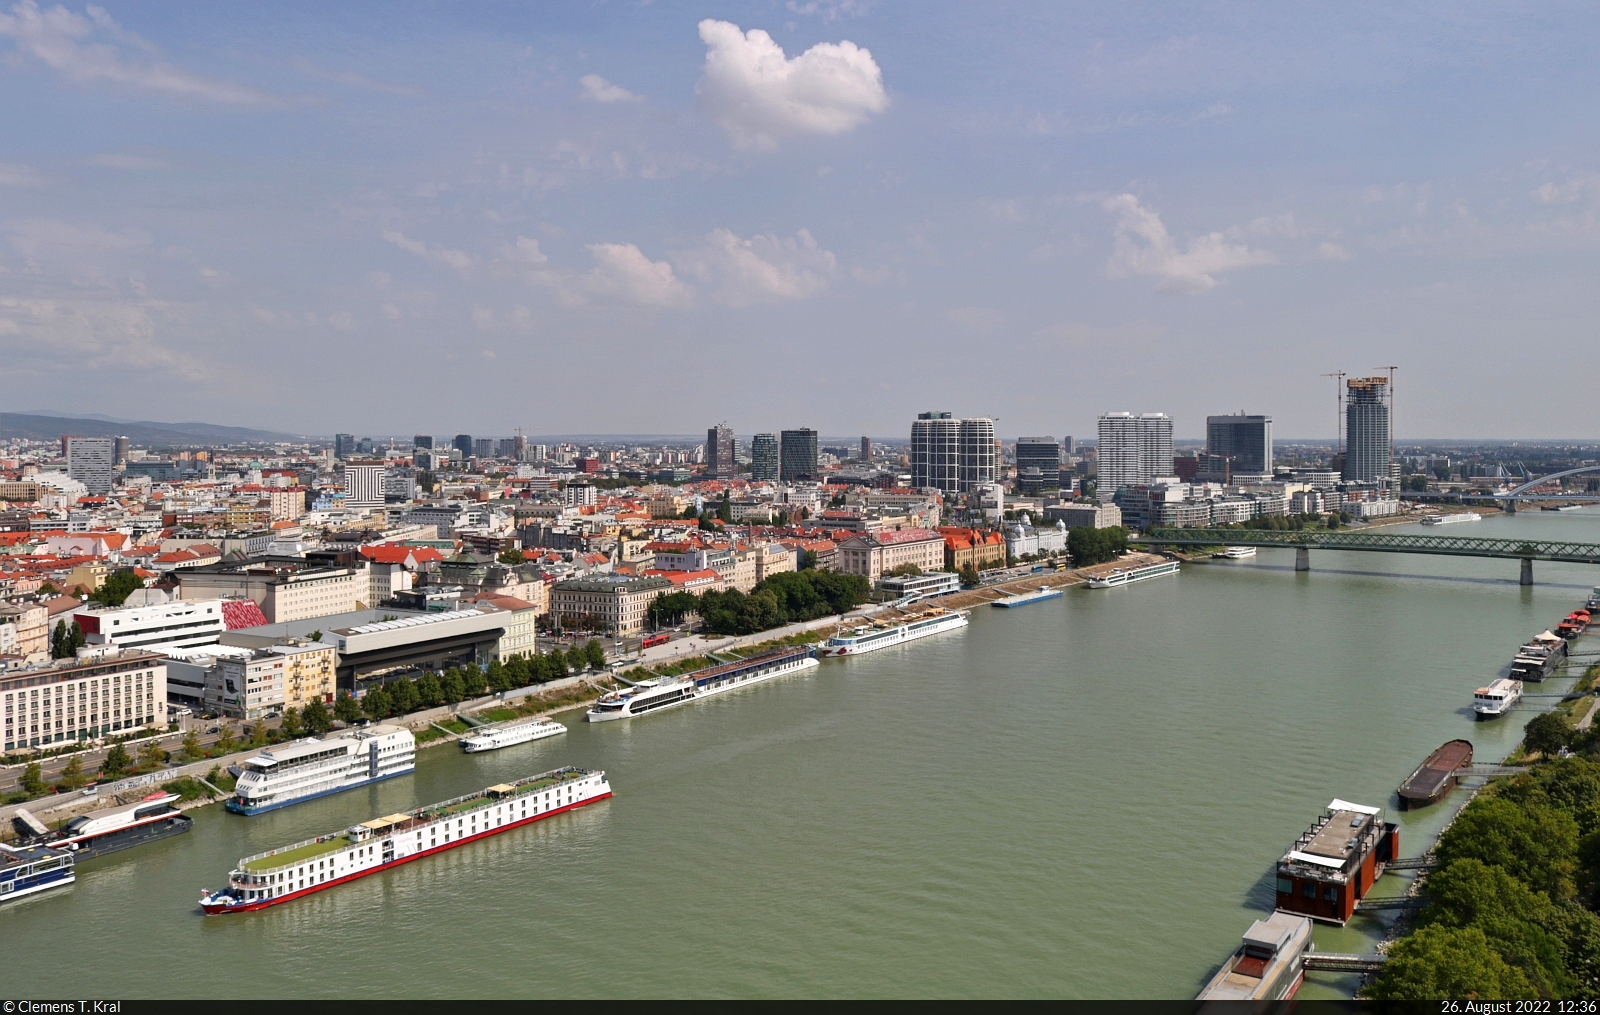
[{"x": 310, "y": 851}]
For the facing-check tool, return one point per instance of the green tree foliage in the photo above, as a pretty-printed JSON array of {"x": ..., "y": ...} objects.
[
  {"x": 969, "y": 575},
  {"x": 512, "y": 556},
  {"x": 906, "y": 571},
  {"x": 346, "y": 709},
  {"x": 784, "y": 598},
  {"x": 403, "y": 695},
  {"x": 72, "y": 776},
  {"x": 192, "y": 750},
  {"x": 557, "y": 662},
  {"x": 1517, "y": 921},
  {"x": 1448, "y": 962},
  {"x": 116, "y": 589},
  {"x": 1089, "y": 545},
  {"x": 517, "y": 674},
  {"x": 671, "y": 608},
  {"x": 596, "y": 653},
  {"x": 1535, "y": 843},
  {"x": 290, "y": 725},
  {"x": 455, "y": 689},
  {"x": 808, "y": 560},
  {"x": 430, "y": 692},
  {"x": 377, "y": 703},
  {"x": 1547, "y": 733},
  {"x": 33, "y": 782},
  {"x": 315, "y": 716},
  {"x": 499, "y": 679},
  {"x": 539, "y": 669},
  {"x": 59, "y": 641},
  {"x": 152, "y": 756},
  {"x": 473, "y": 681},
  {"x": 725, "y": 509},
  {"x": 577, "y": 658},
  {"x": 117, "y": 763}
]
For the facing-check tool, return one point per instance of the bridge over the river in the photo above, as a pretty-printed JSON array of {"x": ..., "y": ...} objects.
[{"x": 1366, "y": 540}]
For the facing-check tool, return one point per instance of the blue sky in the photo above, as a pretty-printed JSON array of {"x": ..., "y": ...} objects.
[{"x": 623, "y": 217}]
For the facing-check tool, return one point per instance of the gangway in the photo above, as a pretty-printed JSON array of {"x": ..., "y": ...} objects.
[
  {"x": 1411, "y": 863},
  {"x": 1345, "y": 962},
  {"x": 1370, "y": 904}
]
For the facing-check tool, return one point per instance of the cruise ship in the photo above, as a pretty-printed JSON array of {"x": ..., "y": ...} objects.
[
  {"x": 1128, "y": 575},
  {"x": 311, "y": 768},
  {"x": 1460, "y": 516},
  {"x": 887, "y": 633},
  {"x": 1235, "y": 552},
  {"x": 295, "y": 871},
  {"x": 108, "y": 829},
  {"x": 28, "y": 870},
  {"x": 1496, "y": 699},
  {"x": 652, "y": 695},
  {"x": 492, "y": 738}
]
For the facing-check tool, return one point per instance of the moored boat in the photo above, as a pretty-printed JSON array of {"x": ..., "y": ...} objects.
[
  {"x": 885, "y": 634},
  {"x": 1539, "y": 657},
  {"x": 309, "y": 768},
  {"x": 651, "y": 695},
  {"x": 28, "y": 870},
  {"x": 1496, "y": 700},
  {"x": 1269, "y": 964},
  {"x": 1024, "y": 598},
  {"x": 1125, "y": 576},
  {"x": 1451, "y": 519},
  {"x": 1575, "y": 624},
  {"x": 108, "y": 829},
  {"x": 1436, "y": 776},
  {"x": 297, "y": 870},
  {"x": 1235, "y": 552},
  {"x": 1594, "y": 600},
  {"x": 492, "y": 738}
]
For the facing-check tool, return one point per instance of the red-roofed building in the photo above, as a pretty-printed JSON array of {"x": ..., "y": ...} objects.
[
  {"x": 239, "y": 613},
  {"x": 693, "y": 582},
  {"x": 972, "y": 546}
]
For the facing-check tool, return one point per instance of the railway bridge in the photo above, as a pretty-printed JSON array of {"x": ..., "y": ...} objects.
[{"x": 1304, "y": 541}]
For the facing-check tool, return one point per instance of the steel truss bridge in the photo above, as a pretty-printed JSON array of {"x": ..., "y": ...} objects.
[{"x": 1304, "y": 541}]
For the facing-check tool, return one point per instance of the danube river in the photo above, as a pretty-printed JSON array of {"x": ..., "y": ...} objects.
[{"x": 1082, "y": 798}]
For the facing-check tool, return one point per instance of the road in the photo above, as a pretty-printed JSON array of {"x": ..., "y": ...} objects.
[{"x": 11, "y": 775}]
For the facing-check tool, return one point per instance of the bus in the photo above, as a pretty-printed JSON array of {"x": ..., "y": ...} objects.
[{"x": 654, "y": 640}]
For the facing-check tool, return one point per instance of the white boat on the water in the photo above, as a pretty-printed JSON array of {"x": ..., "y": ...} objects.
[
  {"x": 492, "y": 738},
  {"x": 1235, "y": 552},
  {"x": 1025, "y": 598},
  {"x": 887, "y": 633},
  {"x": 1460, "y": 516},
  {"x": 1496, "y": 699},
  {"x": 1126, "y": 576},
  {"x": 650, "y": 695}
]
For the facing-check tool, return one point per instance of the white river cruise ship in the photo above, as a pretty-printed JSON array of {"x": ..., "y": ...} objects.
[
  {"x": 492, "y": 738},
  {"x": 886, "y": 634},
  {"x": 650, "y": 695},
  {"x": 291, "y": 872},
  {"x": 1123, "y": 576},
  {"x": 311, "y": 768}
]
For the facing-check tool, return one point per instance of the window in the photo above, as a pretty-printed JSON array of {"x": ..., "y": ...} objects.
[{"x": 1309, "y": 890}]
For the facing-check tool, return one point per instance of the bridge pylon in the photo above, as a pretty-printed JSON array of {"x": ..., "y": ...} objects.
[
  {"x": 1302, "y": 558},
  {"x": 1526, "y": 577}
]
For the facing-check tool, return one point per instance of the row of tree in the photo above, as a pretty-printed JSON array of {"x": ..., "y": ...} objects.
[
  {"x": 1089, "y": 545},
  {"x": 784, "y": 598},
  {"x": 397, "y": 697}
]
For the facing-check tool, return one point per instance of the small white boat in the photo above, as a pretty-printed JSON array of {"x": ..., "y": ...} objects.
[
  {"x": 1024, "y": 598},
  {"x": 1461, "y": 516},
  {"x": 492, "y": 738},
  {"x": 1496, "y": 699},
  {"x": 1235, "y": 552}
]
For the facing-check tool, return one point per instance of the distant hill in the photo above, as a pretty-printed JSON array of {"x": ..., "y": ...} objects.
[{"x": 142, "y": 433}]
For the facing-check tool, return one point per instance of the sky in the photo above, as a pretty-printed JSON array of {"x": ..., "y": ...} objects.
[{"x": 653, "y": 217}]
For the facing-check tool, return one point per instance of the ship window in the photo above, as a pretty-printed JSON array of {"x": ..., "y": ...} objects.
[
  {"x": 1331, "y": 893},
  {"x": 1285, "y": 886},
  {"x": 1309, "y": 890}
]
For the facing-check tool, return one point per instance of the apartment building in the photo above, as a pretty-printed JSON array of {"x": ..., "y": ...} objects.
[{"x": 100, "y": 693}]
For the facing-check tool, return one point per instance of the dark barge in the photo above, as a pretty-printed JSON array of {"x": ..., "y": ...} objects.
[{"x": 1436, "y": 776}]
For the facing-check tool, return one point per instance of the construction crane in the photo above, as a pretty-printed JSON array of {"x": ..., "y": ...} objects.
[{"x": 1338, "y": 410}]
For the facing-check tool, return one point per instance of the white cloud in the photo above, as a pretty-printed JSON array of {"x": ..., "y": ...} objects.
[
  {"x": 343, "y": 320},
  {"x": 1008, "y": 210},
  {"x": 1572, "y": 190},
  {"x": 56, "y": 38},
  {"x": 1333, "y": 252},
  {"x": 759, "y": 269},
  {"x": 33, "y": 237},
  {"x": 12, "y": 175},
  {"x": 622, "y": 272},
  {"x": 115, "y": 161},
  {"x": 599, "y": 89},
  {"x": 831, "y": 10},
  {"x": 460, "y": 260},
  {"x": 1185, "y": 271},
  {"x": 524, "y": 251},
  {"x": 760, "y": 96}
]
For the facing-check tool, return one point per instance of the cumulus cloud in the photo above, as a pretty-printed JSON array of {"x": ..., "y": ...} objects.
[
  {"x": 12, "y": 175},
  {"x": 1141, "y": 245},
  {"x": 524, "y": 251},
  {"x": 460, "y": 260},
  {"x": 1574, "y": 189},
  {"x": 1333, "y": 252},
  {"x": 622, "y": 272},
  {"x": 760, "y": 269},
  {"x": 82, "y": 49},
  {"x": 599, "y": 89},
  {"x": 760, "y": 96}
]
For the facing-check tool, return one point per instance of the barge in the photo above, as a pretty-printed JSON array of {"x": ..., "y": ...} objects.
[
  {"x": 295, "y": 871},
  {"x": 650, "y": 695},
  {"x": 108, "y": 829},
  {"x": 29, "y": 870},
  {"x": 1539, "y": 657},
  {"x": 1269, "y": 965},
  {"x": 1335, "y": 862},
  {"x": 1575, "y": 624},
  {"x": 1436, "y": 776},
  {"x": 1026, "y": 598}
]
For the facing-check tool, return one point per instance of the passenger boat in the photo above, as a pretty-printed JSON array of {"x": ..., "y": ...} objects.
[
  {"x": 888, "y": 633},
  {"x": 108, "y": 829},
  {"x": 311, "y": 768},
  {"x": 1576, "y": 623},
  {"x": 1451, "y": 519},
  {"x": 492, "y": 738},
  {"x": 1268, "y": 966},
  {"x": 1025, "y": 598},
  {"x": 651, "y": 695},
  {"x": 29, "y": 870},
  {"x": 1235, "y": 552},
  {"x": 1594, "y": 600},
  {"x": 1539, "y": 657},
  {"x": 1436, "y": 776},
  {"x": 1496, "y": 699},
  {"x": 1126, "y": 576},
  {"x": 294, "y": 871}
]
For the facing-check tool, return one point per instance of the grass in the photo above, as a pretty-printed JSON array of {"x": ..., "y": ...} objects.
[
  {"x": 188, "y": 789},
  {"x": 291, "y": 856},
  {"x": 496, "y": 715},
  {"x": 684, "y": 666},
  {"x": 431, "y": 732}
]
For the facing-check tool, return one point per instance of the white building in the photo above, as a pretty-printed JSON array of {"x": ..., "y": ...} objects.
[
  {"x": 1133, "y": 450},
  {"x": 156, "y": 628},
  {"x": 950, "y": 454},
  {"x": 363, "y": 485},
  {"x": 102, "y": 692}
]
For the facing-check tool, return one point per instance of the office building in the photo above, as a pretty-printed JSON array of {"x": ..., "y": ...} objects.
[
  {"x": 89, "y": 461},
  {"x": 285, "y": 588},
  {"x": 1368, "y": 451},
  {"x": 1245, "y": 439},
  {"x": 363, "y": 484},
  {"x": 120, "y": 453},
  {"x": 720, "y": 455},
  {"x": 1133, "y": 450},
  {"x": 797, "y": 455},
  {"x": 1038, "y": 464},
  {"x": 978, "y": 454},
  {"x": 1068, "y": 445},
  {"x": 764, "y": 458},
  {"x": 344, "y": 445},
  {"x": 935, "y": 451},
  {"x": 182, "y": 623},
  {"x": 463, "y": 444},
  {"x": 422, "y": 441},
  {"x": 866, "y": 450},
  {"x": 484, "y": 448},
  {"x": 615, "y": 603},
  {"x": 97, "y": 694}
]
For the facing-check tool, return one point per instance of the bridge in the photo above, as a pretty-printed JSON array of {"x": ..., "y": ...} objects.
[
  {"x": 1305, "y": 540},
  {"x": 1345, "y": 962}
]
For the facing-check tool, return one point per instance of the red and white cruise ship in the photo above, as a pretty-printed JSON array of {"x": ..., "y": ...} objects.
[{"x": 291, "y": 872}]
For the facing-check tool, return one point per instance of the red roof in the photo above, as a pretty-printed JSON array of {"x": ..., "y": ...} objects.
[{"x": 237, "y": 613}]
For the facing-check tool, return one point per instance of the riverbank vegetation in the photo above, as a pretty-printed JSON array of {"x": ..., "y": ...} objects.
[
  {"x": 1096, "y": 546},
  {"x": 784, "y": 598}
]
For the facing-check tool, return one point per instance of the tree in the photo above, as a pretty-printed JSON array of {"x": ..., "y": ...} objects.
[
  {"x": 191, "y": 746},
  {"x": 315, "y": 716},
  {"x": 517, "y": 673},
  {"x": 117, "y": 762},
  {"x": 672, "y": 608},
  {"x": 1547, "y": 734},
  {"x": 473, "y": 681},
  {"x": 906, "y": 570},
  {"x": 596, "y": 653},
  {"x": 499, "y": 679},
  {"x": 455, "y": 689},
  {"x": 725, "y": 508},
  {"x": 315, "y": 635},
  {"x": 33, "y": 782},
  {"x": 1449, "y": 962},
  {"x": 969, "y": 574},
  {"x": 72, "y": 776},
  {"x": 152, "y": 756},
  {"x": 346, "y": 709},
  {"x": 117, "y": 587},
  {"x": 377, "y": 703},
  {"x": 403, "y": 695},
  {"x": 429, "y": 693},
  {"x": 291, "y": 722},
  {"x": 808, "y": 560},
  {"x": 538, "y": 669},
  {"x": 1535, "y": 843},
  {"x": 557, "y": 661},
  {"x": 225, "y": 741},
  {"x": 512, "y": 556},
  {"x": 58, "y": 640}
]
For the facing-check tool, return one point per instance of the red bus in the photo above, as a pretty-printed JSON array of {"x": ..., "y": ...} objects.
[{"x": 654, "y": 640}]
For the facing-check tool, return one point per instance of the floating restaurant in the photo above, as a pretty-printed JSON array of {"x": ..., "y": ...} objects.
[{"x": 1336, "y": 861}]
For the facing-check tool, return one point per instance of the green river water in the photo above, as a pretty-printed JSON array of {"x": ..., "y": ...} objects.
[{"x": 1081, "y": 798}]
